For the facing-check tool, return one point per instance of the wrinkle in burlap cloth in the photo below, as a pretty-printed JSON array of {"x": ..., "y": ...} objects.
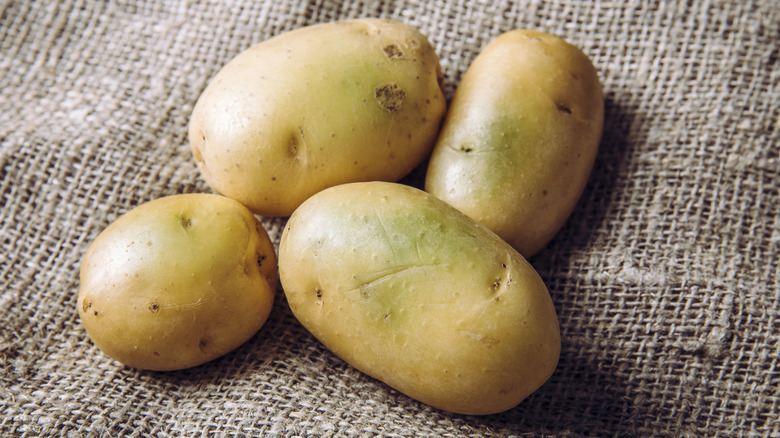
[{"x": 666, "y": 278}]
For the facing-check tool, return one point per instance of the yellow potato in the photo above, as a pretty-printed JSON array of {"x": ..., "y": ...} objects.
[
  {"x": 177, "y": 282},
  {"x": 520, "y": 138},
  {"x": 315, "y": 107},
  {"x": 412, "y": 292}
]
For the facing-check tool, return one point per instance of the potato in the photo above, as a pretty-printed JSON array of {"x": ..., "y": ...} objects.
[
  {"x": 322, "y": 105},
  {"x": 177, "y": 281},
  {"x": 520, "y": 138},
  {"x": 412, "y": 292}
]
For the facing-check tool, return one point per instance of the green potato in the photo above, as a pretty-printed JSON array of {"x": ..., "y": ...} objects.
[
  {"x": 177, "y": 282},
  {"x": 520, "y": 138},
  {"x": 414, "y": 293},
  {"x": 322, "y": 105}
]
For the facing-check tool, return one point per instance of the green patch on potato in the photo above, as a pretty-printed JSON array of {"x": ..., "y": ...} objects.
[
  {"x": 412, "y": 292},
  {"x": 177, "y": 282},
  {"x": 520, "y": 137}
]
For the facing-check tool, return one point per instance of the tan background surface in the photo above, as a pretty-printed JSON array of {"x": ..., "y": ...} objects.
[{"x": 666, "y": 278}]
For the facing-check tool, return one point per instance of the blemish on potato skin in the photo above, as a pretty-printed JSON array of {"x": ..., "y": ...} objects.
[
  {"x": 185, "y": 221},
  {"x": 392, "y": 51},
  {"x": 203, "y": 343},
  {"x": 292, "y": 146},
  {"x": 562, "y": 107},
  {"x": 154, "y": 307},
  {"x": 390, "y": 97},
  {"x": 295, "y": 141},
  {"x": 482, "y": 339}
]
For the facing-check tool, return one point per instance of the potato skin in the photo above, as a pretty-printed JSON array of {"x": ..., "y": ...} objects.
[
  {"x": 318, "y": 106},
  {"x": 177, "y": 282},
  {"x": 412, "y": 292},
  {"x": 520, "y": 138}
]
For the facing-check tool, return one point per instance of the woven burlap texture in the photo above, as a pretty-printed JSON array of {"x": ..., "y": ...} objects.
[{"x": 666, "y": 278}]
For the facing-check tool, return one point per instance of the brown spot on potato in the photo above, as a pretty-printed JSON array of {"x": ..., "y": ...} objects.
[
  {"x": 86, "y": 305},
  {"x": 390, "y": 97},
  {"x": 295, "y": 141},
  {"x": 292, "y": 146},
  {"x": 260, "y": 259},
  {"x": 392, "y": 51},
  {"x": 185, "y": 221},
  {"x": 564, "y": 108},
  {"x": 154, "y": 307},
  {"x": 203, "y": 343}
]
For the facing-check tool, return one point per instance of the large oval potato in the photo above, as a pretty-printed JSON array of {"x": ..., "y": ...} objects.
[
  {"x": 414, "y": 293},
  {"x": 322, "y": 105},
  {"x": 520, "y": 138},
  {"x": 177, "y": 282}
]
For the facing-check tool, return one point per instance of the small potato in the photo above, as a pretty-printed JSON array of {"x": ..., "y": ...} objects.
[
  {"x": 177, "y": 282},
  {"x": 345, "y": 101},
  {"x": 520, "y": 138},
  {"x": 412, "y": 292}
]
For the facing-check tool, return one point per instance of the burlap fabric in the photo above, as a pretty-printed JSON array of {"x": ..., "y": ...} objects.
[{"x": 666, "y": 277}]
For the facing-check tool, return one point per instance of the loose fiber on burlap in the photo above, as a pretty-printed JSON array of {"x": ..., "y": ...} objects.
[{"x": 666, "y": 278}]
